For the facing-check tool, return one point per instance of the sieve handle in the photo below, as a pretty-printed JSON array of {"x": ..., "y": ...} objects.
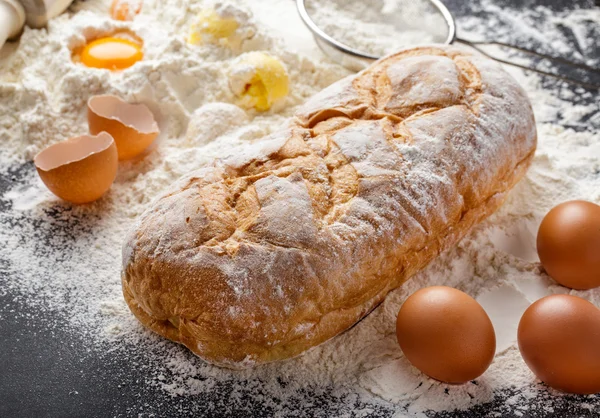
[{"x": 581, "y": 67}]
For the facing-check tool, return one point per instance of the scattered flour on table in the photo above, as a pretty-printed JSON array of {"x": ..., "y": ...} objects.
[{"x": 67, "y": 258}]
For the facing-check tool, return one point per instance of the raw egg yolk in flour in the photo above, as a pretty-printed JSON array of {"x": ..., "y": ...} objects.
[{"x": 111, "y": 53}]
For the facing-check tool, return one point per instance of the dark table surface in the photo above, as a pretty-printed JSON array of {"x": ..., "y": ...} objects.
[{"x": 46, "y": 371}]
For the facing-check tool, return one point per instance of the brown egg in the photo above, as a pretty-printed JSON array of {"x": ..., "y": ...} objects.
[
  {"x": 81, "y": 169},
  {"x": 568, "y": 244},
  {"x": 446, "y": 334},
  {"x": 131, "y": 125},
  {"x": 559, "y": 339}
]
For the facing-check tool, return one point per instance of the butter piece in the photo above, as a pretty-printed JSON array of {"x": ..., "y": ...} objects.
[
  {"x": 258, "y": 80},
  {"x": 212, "y": 28}
]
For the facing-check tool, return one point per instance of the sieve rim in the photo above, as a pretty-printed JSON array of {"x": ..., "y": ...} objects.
[{"x": 317, "y": 31}]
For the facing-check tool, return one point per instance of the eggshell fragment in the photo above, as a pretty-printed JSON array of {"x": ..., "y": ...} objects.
[
  {"x": 81, "y": 169},
  {"x": 446, "y": 334},
  {"x": 131, "y": 125},
  {"x": 568, "y": 244},
  {"x": 125, "y": 9},
  {"x": 559, "y": 339}
]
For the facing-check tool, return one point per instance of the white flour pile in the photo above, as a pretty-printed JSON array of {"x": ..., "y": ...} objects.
[
  {"x": 66, "y": 259},
  {"x": 379, "y": 27}
]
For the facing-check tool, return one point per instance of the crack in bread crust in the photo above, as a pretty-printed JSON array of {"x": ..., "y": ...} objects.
[{"x": 259, "y": 258}]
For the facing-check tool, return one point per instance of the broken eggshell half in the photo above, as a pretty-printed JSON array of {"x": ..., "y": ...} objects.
[
  {"x": 80, "y": 169},
  {"x": 131, "y": 125},
  {"x": 125, "y": 10}
]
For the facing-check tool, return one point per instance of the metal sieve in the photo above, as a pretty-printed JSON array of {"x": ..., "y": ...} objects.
[{"x": 355, "y": 59}]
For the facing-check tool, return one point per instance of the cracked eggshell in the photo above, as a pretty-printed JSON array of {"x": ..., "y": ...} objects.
[
  {"x": 125, "y": 10},
  {"x": 131, "y": 125},
  {"x": 80, "y": 169}
]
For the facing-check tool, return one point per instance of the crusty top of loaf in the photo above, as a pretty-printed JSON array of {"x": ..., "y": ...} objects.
[{"x": 280, "y": 242}]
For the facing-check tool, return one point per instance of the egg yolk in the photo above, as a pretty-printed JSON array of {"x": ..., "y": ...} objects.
[{"x": 111, "y": 53}]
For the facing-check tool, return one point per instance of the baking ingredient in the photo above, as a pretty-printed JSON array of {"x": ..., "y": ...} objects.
[
  {"x": 446, "y": 334},
  {"x": 213, "y": 120},
  {"x": 259, "y": 80},
  {"x": 361, "y": 372},
  {"x": 568, "y": 244},
  {"x": 224, "y": 25},
  {"x": 504, "y": 305},
  {"x": 211, "y": 27},
  {"x": 559, "y": 338},
  {"x": 131, "y": 125},
  {"x": 125, "y": 9},
  {"x": 111, "y": 53},
  {"x": 80, "y": 169}
]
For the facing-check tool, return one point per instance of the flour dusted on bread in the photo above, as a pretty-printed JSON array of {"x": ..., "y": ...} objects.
[{"x": 258, "y": 261}]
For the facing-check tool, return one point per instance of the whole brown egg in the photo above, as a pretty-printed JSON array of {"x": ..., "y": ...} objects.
[
  {"x": 446, "y": 334},
  {"x": 568, "y": 244},
  {"x": 559, "y": 339}
]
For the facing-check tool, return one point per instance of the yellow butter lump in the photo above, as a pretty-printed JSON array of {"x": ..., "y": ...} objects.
[
  {"x": 258, "y": 80},
  {"x": 211, "y": 27}
]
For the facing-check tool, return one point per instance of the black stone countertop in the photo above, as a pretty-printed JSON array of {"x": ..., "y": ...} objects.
[{"x": 47, "y": 372}]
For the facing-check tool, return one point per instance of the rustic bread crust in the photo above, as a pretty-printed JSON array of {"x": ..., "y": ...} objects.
[{"x": 263, "y": 256}]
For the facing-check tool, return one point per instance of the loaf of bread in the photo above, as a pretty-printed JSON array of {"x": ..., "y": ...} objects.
[{"x": 260, "y": 257}]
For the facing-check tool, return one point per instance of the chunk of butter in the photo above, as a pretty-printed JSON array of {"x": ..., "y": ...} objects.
[
  {"x": 212, "y": 28},
  {"x": 258, "y": 80}
]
